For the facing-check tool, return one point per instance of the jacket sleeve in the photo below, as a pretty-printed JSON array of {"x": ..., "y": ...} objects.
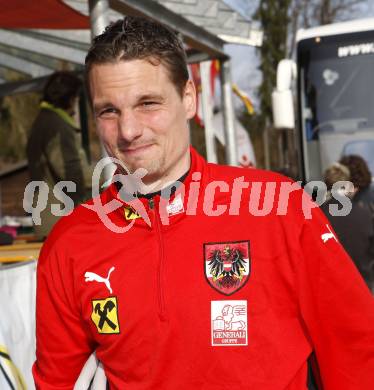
[
  {"x": 336, "y": 307},
  {"x": 62, "y": 342}
]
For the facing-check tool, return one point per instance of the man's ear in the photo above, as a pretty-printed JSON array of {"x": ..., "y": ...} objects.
[{"x": 189, "y": 99}]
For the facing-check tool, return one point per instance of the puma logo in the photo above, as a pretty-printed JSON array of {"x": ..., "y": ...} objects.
[
  {"x": 327, "y": 236},
  {"x": 92, "y": 277}
]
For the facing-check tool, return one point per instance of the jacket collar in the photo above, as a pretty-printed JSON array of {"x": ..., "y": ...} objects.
[{"x": 171, "y": 204}]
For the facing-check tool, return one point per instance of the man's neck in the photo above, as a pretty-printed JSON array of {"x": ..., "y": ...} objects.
[
  {"x": 157, "y": 185},
  {"x": 168, "y": 189}
]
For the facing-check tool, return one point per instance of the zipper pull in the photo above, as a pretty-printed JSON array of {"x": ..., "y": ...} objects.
[{"x": 151, "y": 203}]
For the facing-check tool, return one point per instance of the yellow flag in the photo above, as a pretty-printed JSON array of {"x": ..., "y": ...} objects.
[{"x": 245, "y": 99}]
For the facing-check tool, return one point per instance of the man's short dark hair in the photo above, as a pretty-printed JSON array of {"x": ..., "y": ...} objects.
[
  {"x": 61, "y": 88},
  {"x": 134, "y": 38},
  {"x": 360, "y": 173}
]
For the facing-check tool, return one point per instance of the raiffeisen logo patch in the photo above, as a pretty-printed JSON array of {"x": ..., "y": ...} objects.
[{"x": 105, "y": 315}]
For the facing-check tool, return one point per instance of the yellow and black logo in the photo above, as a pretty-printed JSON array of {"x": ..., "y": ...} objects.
[
  {"x": 105, "y": 315},
  {"x": 130, "y": 214}
]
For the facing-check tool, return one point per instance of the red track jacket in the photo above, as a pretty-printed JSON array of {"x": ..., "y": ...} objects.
[{"x": 205, "y": 302}]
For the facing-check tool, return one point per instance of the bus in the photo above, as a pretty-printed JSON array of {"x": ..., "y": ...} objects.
[{"x": 334, "y": 99}]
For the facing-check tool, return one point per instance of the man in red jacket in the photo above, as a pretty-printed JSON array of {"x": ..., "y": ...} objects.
[{"x": 191, "y": 285}]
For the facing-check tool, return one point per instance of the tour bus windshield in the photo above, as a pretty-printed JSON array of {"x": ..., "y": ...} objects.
[
  {"x": 336, "y": 95},
  {"x": 337, "y": 85}
]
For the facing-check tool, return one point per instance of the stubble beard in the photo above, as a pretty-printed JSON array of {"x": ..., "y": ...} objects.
[{"x": 155, "y": 168}]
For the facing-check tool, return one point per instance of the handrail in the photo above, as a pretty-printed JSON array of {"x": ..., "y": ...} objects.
[
  {"x": 20, "y": 166},
  {"x": 26, "y": 252}
]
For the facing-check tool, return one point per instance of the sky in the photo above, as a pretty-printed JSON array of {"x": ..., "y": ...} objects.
[{"x": 245, "y": 60}]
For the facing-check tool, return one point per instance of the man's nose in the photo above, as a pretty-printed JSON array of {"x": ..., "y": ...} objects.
[{"x": 129, "y": 127}]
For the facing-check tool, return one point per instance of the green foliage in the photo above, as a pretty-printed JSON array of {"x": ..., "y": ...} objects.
[
  {"x": 274, "y": 19},
  {"x": 252, "y": 123}
]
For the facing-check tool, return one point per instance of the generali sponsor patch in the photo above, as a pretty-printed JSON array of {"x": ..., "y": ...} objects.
[{"x": 229, "y": 323}]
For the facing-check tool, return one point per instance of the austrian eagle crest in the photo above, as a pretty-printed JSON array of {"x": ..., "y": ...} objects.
[{"x": 227, "y": 265}]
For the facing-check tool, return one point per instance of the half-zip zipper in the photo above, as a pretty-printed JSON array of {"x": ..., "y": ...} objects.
[{"x": 160, "y": 272}]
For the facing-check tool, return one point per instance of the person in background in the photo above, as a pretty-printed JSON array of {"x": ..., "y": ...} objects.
[
  {"x": 336, "y": 172},
  {"x": 361, "y": 177},
  {"x": 54, "y": 150},
  {"x": 355, "y": 230}
]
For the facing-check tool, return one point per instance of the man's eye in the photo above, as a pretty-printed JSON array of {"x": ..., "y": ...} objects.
[
  {"x": 107, "y": 112},
  {"x": 149, "y": 104}
]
